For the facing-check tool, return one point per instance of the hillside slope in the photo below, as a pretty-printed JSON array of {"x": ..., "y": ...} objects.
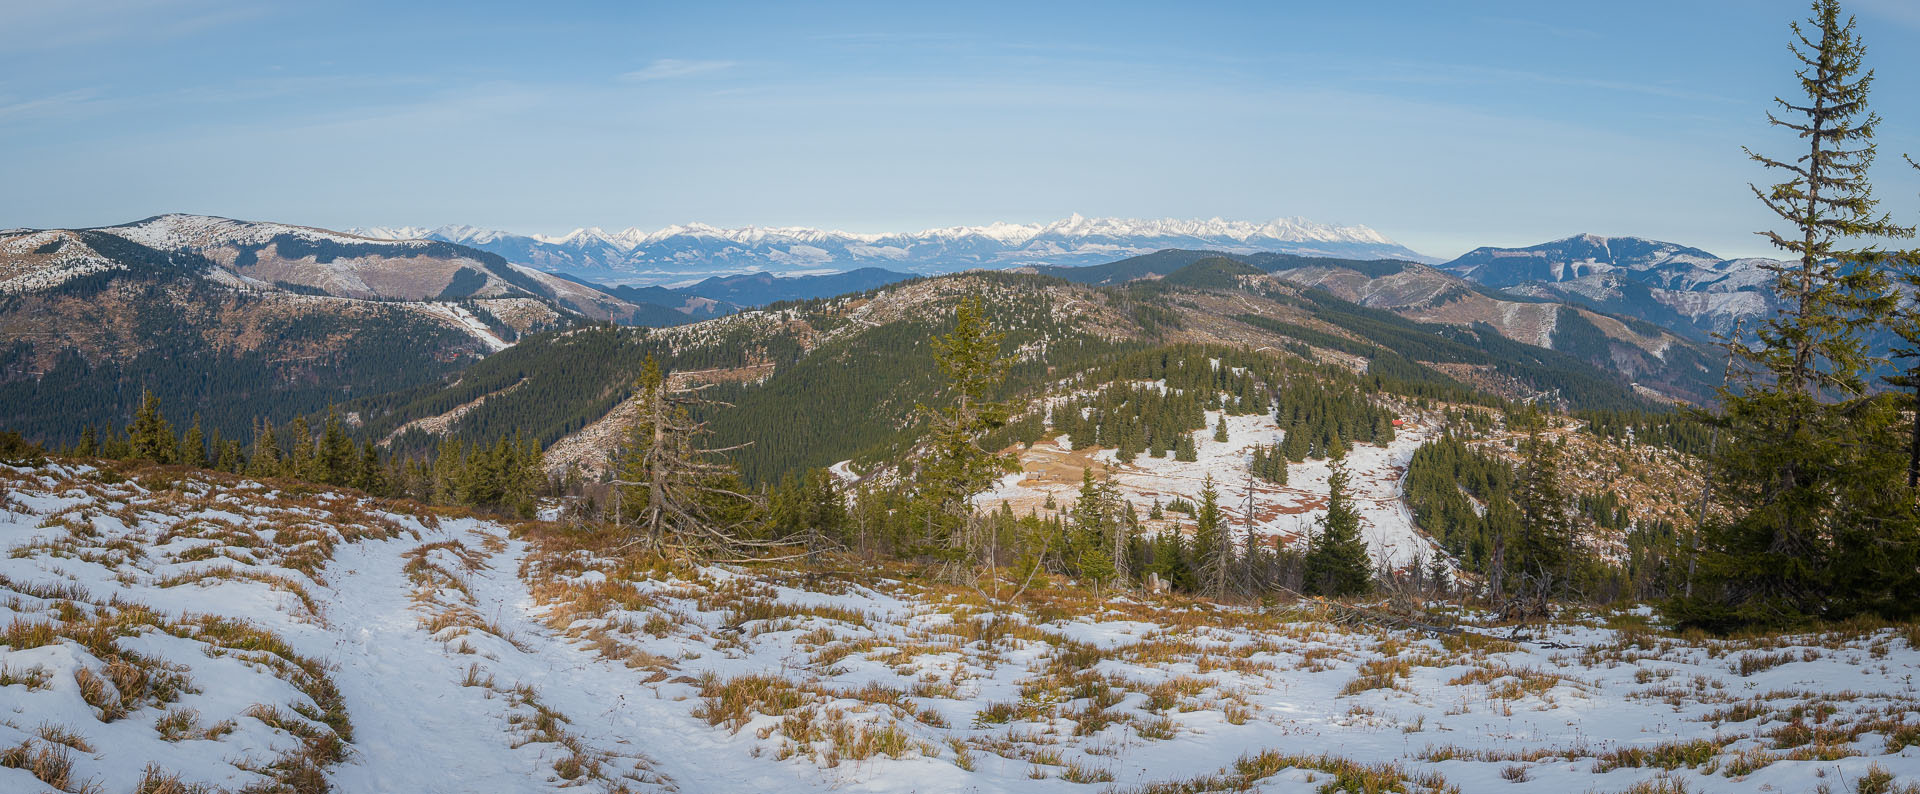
[
  {"x": 1664, "y": 364},
  {"x": 89, "y": 319},
  {"x": 793, "y": 373},
  {"x": 345, "y": 266}
]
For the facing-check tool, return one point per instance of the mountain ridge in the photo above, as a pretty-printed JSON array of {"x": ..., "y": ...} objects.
[
  {"x": 694, "y": 251},
  {"x": 1687, "y": 289}
]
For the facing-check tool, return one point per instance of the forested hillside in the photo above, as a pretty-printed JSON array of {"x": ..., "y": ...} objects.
[
  {"x": 790, "y": 370},
  {"x": 81, "y": 351}
]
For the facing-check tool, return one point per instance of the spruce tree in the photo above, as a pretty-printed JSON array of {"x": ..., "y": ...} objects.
[
  {"x": 370, "y": 475},
  {"x": 334, "y": 457},
  {"x": 449, "y": 462},
  {"x": 956, "y": 467},
  {"x": 1904, "y": 321},
  {"x": 1220, "y": 429},
  {"x": 1805, "y": 470},
  {"x": 1295, "y": 446},
  {"x": 193, "y": 446},
  {"x": 231, "y": 457},
  {"x": 151, "y": 436},
  {"x": 265, "y": 459},
  {"x": 1212, "y": 542},
  {"x": 299, "y": 460},
  {"x": 1538, "y": 563},
  {"x": 1337, "y": 563},
  {"x": 1185, "y": 450}
]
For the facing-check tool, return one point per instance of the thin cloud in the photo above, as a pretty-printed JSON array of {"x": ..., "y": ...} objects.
[
  {"x": 58, "y": 105},
  {"x": 49, "y": 26},
  {"x": 675, "y": 68}
]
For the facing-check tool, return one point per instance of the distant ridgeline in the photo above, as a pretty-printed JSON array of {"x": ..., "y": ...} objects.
[
  {"x": 228, "y": 355},
  {"x": 820, "y": 380}
]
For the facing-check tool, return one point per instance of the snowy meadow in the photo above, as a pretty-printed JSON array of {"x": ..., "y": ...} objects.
[{"x": 172, "y": 631}]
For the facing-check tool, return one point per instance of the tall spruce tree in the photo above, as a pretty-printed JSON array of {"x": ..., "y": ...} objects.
[
  {"x": 956, "y": 468},
  {"x": 193, "y": 445},
  {"x": 1805, "y": 471},
  {"x": 264, "y": 461},
  {"x": 1337, "y": 563},
  {"x": 370, "y": 475},
  {"x": 1212, "y": 542},
  {"x": 334, "y": 457},
  {"x": 1537, "y": 565},
  {"x": 151, "y": 436},
  {"x": 299, "y": 460}
]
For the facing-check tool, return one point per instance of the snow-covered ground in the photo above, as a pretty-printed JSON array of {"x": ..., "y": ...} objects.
[
  {"x": 464, "y": 320},
  {"x": 390, "y": 650},
  {"x": 1286, "y": 511}
]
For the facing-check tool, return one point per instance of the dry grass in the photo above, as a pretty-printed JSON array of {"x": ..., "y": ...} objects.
[
  {"x": 47, "y": 761},
  {"x": 1669, "y": 756},
  {"x": 1346, "y": 775},
  {"x": 154, "y": 780},
  {"x": 1378, "y": 674}
]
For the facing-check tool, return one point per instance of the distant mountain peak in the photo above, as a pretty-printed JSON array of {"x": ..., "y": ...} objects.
[
  {"x": 690, "y": 251},
  {"x": 1667, "y": 283}
]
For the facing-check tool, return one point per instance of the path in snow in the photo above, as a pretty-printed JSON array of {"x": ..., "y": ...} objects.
[{"x": 406, "y": 689}]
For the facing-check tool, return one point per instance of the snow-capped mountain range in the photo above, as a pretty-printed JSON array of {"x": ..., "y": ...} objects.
[
  {"x": 692, "y": 251},
  {"x": 1671, "y": 285}
]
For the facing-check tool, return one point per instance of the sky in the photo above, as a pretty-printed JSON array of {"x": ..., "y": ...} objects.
[{"x": 1445, "y": 126}]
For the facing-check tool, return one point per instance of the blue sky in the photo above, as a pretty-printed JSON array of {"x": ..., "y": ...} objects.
[{"x": 1443, "y": 125}]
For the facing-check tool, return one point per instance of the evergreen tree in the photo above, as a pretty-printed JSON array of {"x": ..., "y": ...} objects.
[
  {"x": 88, "y": 445},
  {"x": 1212, "y": 542},
  {"x": 334, "y": 458},
  {"x": 1185, "y": 450},
  {"x": 1098, "y": 543},
  {"x": 1438, "y": 575},
  {"x": 1806, "y": 471},
  {"x": 444, "y": 481},
  {"x": 1337, "y": 563},
  {"x": 1295, "y": 446},
  {"x": 299, "y": 445},
  {"x": 1268, "y": 465},
  {"x": 231, "y": 457},
  {"x": 1904, "y": 321},
  {"x": 116, "y": 446},
  {"x": 1220, "y": 429},
  {"x": 1542, "y": 549},
  {"x": 371, "y": 475},
  {"x": 151, "y": 436},
  {"x": 826, "y": 505},
  {"x": 265, "y": 460},
  {"x": 193, "y": 446},
  {"x": 957, "y": 468}
]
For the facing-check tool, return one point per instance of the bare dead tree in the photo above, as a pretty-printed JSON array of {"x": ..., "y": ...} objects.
[{"x": 677, "y": 496}]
